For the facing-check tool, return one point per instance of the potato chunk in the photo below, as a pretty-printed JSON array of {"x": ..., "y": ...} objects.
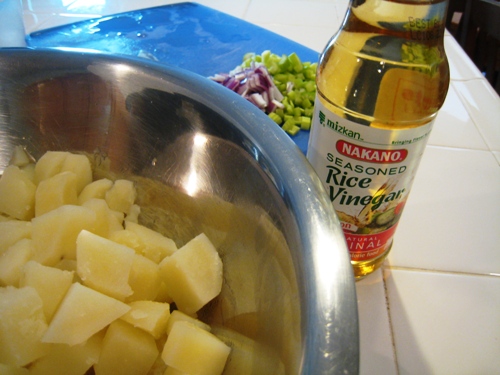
[
  {"x": 193, "y": 350},
  {"x": 69, "y": 360},
  {"x": 104, "y": 265},
  {"x": 50, "y": 283},
  {"x": 80, "y": 165},
  {"x": 12, "y": 231},
  {"x": 178, "y": 316},
  {"x": 126, "y": 350},
  {"x": 49, "y": 164},
  {"x": 12, "y": 262},
  {"x": 82, "y": 313},
  {"x": 149, "y": 316},
  {"x": 144, "y": 279},
  {"x": 55, "y": 191},
  {"x": 173, "y": 371},
  {"x": 96, "y": 189},
  {"x": 13, "y": 370},
  {"x": 153, "y": 245},
  {"x": 193, "y": 274},
  {"x": 17, "y": 194},
  {"x": 121, "y": 196},
  {"x": 54, "y": 233},
  {"x": 22, "y": 324},
  {"x": 20, "y": 157},
  {"x": 107, "y": 221}
]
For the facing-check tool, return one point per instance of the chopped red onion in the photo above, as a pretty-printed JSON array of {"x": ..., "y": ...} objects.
[{"x": 254, "y": 84}]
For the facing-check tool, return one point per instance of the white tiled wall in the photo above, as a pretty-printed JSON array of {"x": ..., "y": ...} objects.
[{"x": 435, "y": 306}]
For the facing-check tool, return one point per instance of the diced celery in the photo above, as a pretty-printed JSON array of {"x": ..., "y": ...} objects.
[
  {"x": 308, "y": 112},
  {"x": 298, "y": 83},
  {"x": 280, "y": 77},
  {"x": 266, "y": 55},
  {"x": 284, "y": 63},
  {"x": 305, "y": 123},
  {"x": 310, "y": 86},
  {"x": 281, "y": 87},
  {"x": 310, "y": 74},
  {"x": 294, "y": 130},
  {"x": 276, "y": 118},
  {"x": 248, "y": 56},
  {"x": 295, "y": 61},
  {"x": 306, "y": 103},
  {"x": 288, "y": 124},
  {"x": 273, "y": 67}
]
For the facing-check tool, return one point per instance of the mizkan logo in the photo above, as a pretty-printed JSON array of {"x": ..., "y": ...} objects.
[{"x": 371, "y": 155}]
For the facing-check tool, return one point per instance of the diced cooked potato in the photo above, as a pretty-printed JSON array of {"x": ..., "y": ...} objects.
[
  {"x": 80, "y": 166},
  {"x": 13, "y": 370},
  {"x": 154, "y": 245},
  {"x": 81, "y": 290},
  {"x": 193, "y": 274},
  {"x": 96, "y": 189},
  {"x": 126, "y": 350},
  {"x": 128, "y": 238},
  {"x": 194, "y": 350},
  {"x": 20, "y": 157},
  {"x": 149, "y": 316},
  {"x": 178, "y": 316},
  {"x": 49, "y": 164},
  {"x": 144, "y": 279},
  {"x": 107, "y": 221},
  {"x": 12, "y": 231},
  {"x": 163, "y": 294},
  {"x": 121, "y": 196},
  {"x": 104, "y": 265},
  {"x": 67, "y": 265},
  {"x": 22, "y": 324},
  {"x": 83, "y": 312},
  {"x": 69, "y": 360},
  {"x": 133, "y": 213},
  {"x": 50, "y": 283},
  {"x": 55, "y": 191},
  {"x": 12, "y": 262},
  {"x": 17, "y": 194},
  {"x": 173, "y": 371},
  {"x": 54, "y": 233},
  {"x": 29, "y": 169}
]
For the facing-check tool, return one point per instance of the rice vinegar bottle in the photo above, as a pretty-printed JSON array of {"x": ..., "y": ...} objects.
[{"x": 380, "y": 82}]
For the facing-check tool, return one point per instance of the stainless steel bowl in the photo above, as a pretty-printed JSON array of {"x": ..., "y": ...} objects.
[{"x": 204, "y": 160}]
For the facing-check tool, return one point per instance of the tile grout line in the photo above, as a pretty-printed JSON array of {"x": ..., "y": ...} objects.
[
  {"x": 466, "y": 105},
  {"x": 245, "y": 12},
  {"x": 389, "y": 317},
  {"x": 458, "y": 273},
  {"x": 460, "y": 148}
]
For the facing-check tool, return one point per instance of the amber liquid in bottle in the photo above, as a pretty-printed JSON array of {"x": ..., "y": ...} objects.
[{"x": 385, "y": 69}]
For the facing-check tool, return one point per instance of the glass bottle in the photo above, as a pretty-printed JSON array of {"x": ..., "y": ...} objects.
[{"x": 380, "y": 82}]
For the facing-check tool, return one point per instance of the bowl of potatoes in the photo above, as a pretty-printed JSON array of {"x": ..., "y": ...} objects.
[{"x": 154, "y": 222}]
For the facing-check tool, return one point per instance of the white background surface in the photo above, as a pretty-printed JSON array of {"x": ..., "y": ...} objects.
[{"x": 434, "y": 308}]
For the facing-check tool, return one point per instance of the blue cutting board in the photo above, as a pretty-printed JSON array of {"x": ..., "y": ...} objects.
[{"x": 185, "y": 35}]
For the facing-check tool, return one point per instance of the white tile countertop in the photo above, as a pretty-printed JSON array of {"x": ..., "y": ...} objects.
[{"x": 434, "y": 308}]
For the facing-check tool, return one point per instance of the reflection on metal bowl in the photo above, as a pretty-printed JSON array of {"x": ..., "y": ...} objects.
[{"x": 206, "y": 160}]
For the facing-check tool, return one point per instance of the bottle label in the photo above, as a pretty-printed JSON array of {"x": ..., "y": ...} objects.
[{"x": 367, "y": 173}]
